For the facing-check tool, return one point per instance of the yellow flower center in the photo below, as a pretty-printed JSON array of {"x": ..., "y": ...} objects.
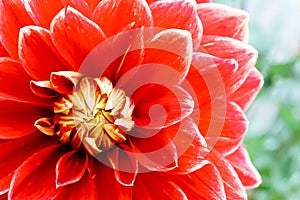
[{"x": 95, "y": 116}]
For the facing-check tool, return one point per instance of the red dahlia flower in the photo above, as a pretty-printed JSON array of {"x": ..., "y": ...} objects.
[{"x": 125, "y": 100}]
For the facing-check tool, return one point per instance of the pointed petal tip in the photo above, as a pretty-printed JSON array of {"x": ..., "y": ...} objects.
[
  {"x": 244, "y": 167},
  {"x": 74, "y": 36},
  {"x": 138, "y": 14},
  {"x": 223, "y": 20},
  {"x": 70, "y": 168},
  {"x": 127, "y": 184}
]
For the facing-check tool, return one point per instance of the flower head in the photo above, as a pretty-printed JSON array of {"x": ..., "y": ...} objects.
[{"x": 128, "y": 99}]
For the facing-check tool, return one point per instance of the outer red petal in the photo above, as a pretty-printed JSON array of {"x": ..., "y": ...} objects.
[
  {"x": 209, "y": 78},
  {"x": 172, "y": 49},
  {"x": 37, "y": 53},
  {"x": 70, "y": 168},
  {"x": 232, "y": 184},
  {"x": 13, "y": 17},
  {"x": 35, "y": 178},
  {"x": 3, "y": 197},
  {"x": 191, "y": 147},
  {"x": 125, "y": 166},
  {"x": 205, "y": 183},
  {"x": 165, "y": 57},
  {"x": 234, "y": 123},
  {"x": 229, "y": 48},
  {"x": 198, "y": 1},
  {"x": 81, "y": 190},
  {"x": 3, "y": 51},
  {"x": 14, "y": 152},
  {"x": 120, "y": 55},
  {"x": 107, "y": 186},
  {"x": 17, "y": 118},
  {"x": 179, "y": 14},
  {"x": 157, "y": 106},
  {"x": 203, "y": 1},
  {"x": 93, "y": 3},
  {"x": 74, "y": 35},
  {"x": 159, "y": 138},
  {"x": 157, "y": 186},
  {"x": 4, "y": 184},
  {"x": 14, "y": 83},
  {"x": 248, "y": 90},
  {"x": 151, "y": 1},
  {"x": 221, "y": 20},
  {"x": 155, "y": 148},
  {"x": 80, "y": 5},
  {"x": 122, "y": 15},
  {"x": 42, "y": 12},
  {"x": 241, "y": 162}
]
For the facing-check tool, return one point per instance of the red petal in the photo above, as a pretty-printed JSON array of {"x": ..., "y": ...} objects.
[
  {"x": 107, "y": 185},
  {"x": 37, "y": 53},
  {"x": 14, "y": 152},
  {"x": 205, "y": 183},
  {"x": 35, "y": 178},
  {"x": 125, "y": 166},
  {"x": 241, "y": 162},
  {"x": 203, "y": 1},
  {"x": 3, "y": 51},
  {"x": 236, "y": 122},
  {"x": 198, "y": 1},
  {"x": 229, "y": 48},
  {"x": 221, "y": 20},
  {"x": 178, "y": 14},
  {"x": 151, "y": 1},
  {"x": 119, "y": 54},
  {"x": 248, "y": 90},
  {"x": 43, "y": 89},
  {"x": 14, "y": 83},
  {"x": 64, "y": 81},
  {"x": 225, "y": 145},
  {"x": 191, "y": 147},
  {"x": 232, "y": 184},
  {"x": 157, "y": 106},
  {"x": 93, "y": 3},
  {"x": 160, "y": 149},
  {"x": 170, "y": 50},
  {"x": 82, "y": 190},
  {"x": 155, "y": 149},
  {"x": 167, "y": 59},
  {"x": 70, "y": 168},
  {"x": 80, "y": 5},
  {"x": 234, "y": 125},
  {"x": 13, "y": 17},
  {"x": 113, "y": 21},
  {"x": 5, "y": 184},
  {"x": 4, "y": 196},
  {"x": 208, "y": 78},
  {"x": 17, "y": 118},
  {"x": 74, "y": 35},
  {"x": 42, "y": 12},
  {"x": 157, "y": 186}
]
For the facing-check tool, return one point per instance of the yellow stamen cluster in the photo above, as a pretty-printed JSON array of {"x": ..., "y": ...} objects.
[{"x": 95, "y": 116}]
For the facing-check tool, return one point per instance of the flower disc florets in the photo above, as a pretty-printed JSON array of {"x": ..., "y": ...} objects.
[{"x": 95, "y": 115}]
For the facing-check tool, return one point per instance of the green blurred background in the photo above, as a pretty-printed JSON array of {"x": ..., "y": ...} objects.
[{"x": 273, "y": 138}]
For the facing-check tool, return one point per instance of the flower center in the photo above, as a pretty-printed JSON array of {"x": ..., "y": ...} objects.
[{"x": 95, "y": 116}]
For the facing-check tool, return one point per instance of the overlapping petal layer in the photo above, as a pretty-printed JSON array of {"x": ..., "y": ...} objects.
[{"x": 189, "y": 80}]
